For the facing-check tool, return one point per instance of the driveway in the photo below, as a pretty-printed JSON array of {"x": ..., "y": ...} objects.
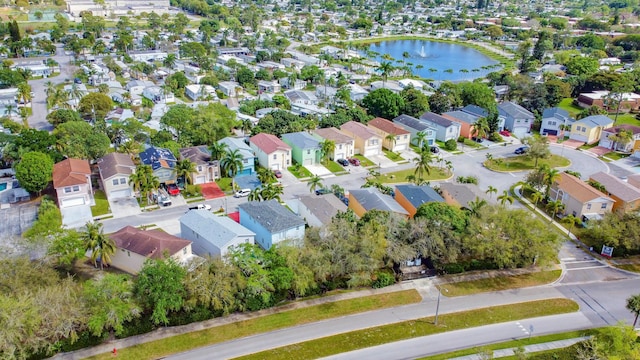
[
  {"x": 572, "y": 144},
  {"x": 76, "y": 216},
  {"x": 124, "y": 207},
  {"x": 211, "y": 191},
  {"x": 382, "y": 161},
  {"x": 599, "y": 150},
  {"x": 319, "y": 170}
]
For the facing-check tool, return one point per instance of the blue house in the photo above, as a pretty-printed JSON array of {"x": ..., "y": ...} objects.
[
  {"x": 305, "y": 149},
  {"x": 163, "y": 163},
  {"x": 414, "y": 126},
  {"x": 517, "y": 119},
  {"x": 248, "y": 157},
  {"x": 445, "y": 129},
  {"x": 271, "y": 222}
]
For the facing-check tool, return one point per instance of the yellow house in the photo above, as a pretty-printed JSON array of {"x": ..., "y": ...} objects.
[{"x": 589, "y": 130}]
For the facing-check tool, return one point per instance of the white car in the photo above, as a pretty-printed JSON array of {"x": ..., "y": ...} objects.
[
  {"x": 242, "y": 193},
  {"x": 201, "y": 207}
]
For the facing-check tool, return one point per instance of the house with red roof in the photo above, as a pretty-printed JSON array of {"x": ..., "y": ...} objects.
[
  {"x": 272, "y": 153},
  {"x": 72, "y": 182},
  {"x": 367, "y": 142},
  {"x": 385, "y": 129}
]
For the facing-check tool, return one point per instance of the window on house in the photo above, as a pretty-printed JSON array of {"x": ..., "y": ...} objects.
[
  {"x": 275, "y": 156},
  {"x": 405, "y": 137},
  {"x": 308, "y": 151},
  {"x": 184, "y": 251},
  {"x": 603, "y": 206},
  {"x": 123, "y": 181},
  {"x": 199, "y": 168},
  {"x": 76, "y": 188},
  {"x": 114, "y": 181},
  {"x": 340, "y": 147},
  {"x": 552, "y": 122},
  {"x": 128, "y": 253},
  {"x": 245, "y": 161},
  {"x": 67, "y": 190},
  {"x": 588, "y": 206}
]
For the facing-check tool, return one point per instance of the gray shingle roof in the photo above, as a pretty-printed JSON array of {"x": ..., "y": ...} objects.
[
  {"x": 555, "y": 112},
  {"x": 462, "y": 116},
  {"x": 324, "y": 207},
  {"x": 418, "y": 195},
  {"x": 475, "y": 110},
  {"x": 595, "y": 120},
  {"x": 436, "y": 119},
  {"x": 411, "y": 122},
  {"x": 617, "y": 187},
  {"x": 217, "y": 230},
  {"x": 373, "y": 199},
  {"x": 462, "y": 193},
  {"x": 271, "y": 215},
  {"x": 514, "y": 110},
  {"x": 301, "y": 140}
]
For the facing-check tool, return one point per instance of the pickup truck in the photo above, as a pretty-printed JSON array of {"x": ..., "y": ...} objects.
[
  {"x": 163, "y": 198},
  {"x": 201, "y": 207}
]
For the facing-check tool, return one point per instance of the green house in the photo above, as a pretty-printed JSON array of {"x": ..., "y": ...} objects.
[{"x": 305, "y": 149}]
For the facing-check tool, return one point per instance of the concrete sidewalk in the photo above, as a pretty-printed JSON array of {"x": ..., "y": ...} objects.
[{"x": 560, "y": 344}]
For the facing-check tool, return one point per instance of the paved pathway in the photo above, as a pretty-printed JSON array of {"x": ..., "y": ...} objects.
[{"x": 527, "y": 349}]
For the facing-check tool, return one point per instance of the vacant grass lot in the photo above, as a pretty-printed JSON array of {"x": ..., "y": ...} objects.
[
  {"x": 401, "y": 176},
  {"x": 500, "y": 283},
  {"x": 415, "y": 328},
  {"x": 218, "y": 334},
  {"x": 522, "y": 162},
  {"x": 102, "y": 204}
]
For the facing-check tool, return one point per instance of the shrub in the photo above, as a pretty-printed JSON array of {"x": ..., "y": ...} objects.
[
  {"x": 193, "y": 190},
  {"x": 453, "y": 269},
  {"x": 495, "y": 137},
  {"x": 450, "y": 145},
  {"x": 383, "y": 279}
]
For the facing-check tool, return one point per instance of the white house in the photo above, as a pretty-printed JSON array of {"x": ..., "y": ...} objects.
[
  {"x": 195, "y": 92},
  {"x": 213, "y": 235},
  {"x": 272, "y": 152},
  {"x": 228, "y": 87},
  {"x": 158, "y": 95}
]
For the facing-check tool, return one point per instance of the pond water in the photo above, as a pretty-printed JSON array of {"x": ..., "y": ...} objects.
[{"x": 439, "y": 60}]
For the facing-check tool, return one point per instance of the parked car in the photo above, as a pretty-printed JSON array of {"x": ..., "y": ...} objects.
[
  {"x": 277, "y": 173},
  {"x": 322, "y": 191},
  {"x": 173, "y": 189},
  {"x": 77, "y": 81},
  {"x": 354, "y": 162},
  {"x": 505, "y": 133},
  {"x": 521, "y": 150},
  {"x": 435, "y": 149},
  {"x": 201, "y": 207},
  {"x": 343, "y": 162},
  {"x": 476, "y": 139},
  {"x": 242, "y": 193}
]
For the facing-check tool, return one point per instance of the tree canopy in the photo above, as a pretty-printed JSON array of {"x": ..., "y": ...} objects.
[
  {"x": 383, "y": 103},
  {"x": 78, "y": 139},
  {"x": 34, "y": 171}
]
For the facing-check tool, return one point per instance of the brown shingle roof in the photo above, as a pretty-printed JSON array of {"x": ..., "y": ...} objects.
[
  {"x": 148, "y": 243},
  {"x": 616, "y": 187},
  {"x": 269, "y": 143},
  {"x": 114, "y": 164},
  {"x": 358, "y": 129},
  {"x": 334, "y": 135},
  {"x": 198, "y": 155},
  {"x": 616, "y": 129},
  {"x": 70, "y": 172},
  {"x": 387, "y": 126},
  {"x": 578, "y": 189}
]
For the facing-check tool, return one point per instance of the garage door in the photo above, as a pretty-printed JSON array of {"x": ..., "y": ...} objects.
[
  {"x": 72, "y": 202},
  {"x": 275, "y": 167},
  {"x": 308, "y": 162},
  {"x": 119, "y": 194},
  {"x": 551, "y": 132},
  {"x": 401, "y": 147},
  {"x": 200, "y": 179},
  {"x": 339, "y": 156},
  {"x": 371, "y": 152}
]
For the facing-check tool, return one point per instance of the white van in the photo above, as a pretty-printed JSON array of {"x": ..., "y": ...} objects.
[{"x": 242, "y": 193}]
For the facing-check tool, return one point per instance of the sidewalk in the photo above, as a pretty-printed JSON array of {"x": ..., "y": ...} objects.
[{"x": 527, "y": 349}]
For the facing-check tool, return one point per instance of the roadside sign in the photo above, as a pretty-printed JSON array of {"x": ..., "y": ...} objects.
[{"x": 607, "y": 251}]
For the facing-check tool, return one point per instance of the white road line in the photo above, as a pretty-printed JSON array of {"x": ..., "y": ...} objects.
[{"x": 589, "y": 267}]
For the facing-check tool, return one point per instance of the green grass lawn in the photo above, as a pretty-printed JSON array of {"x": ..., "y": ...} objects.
[
  {"x": 401, "y": 176},
  {"x": 392, "y": 156},
  {"x": 415, "y": 328},
  {"x": 225, "y": 184},
  {"x": 470, "y": 143},
  {"x": 613, "y": 156},
  {"x": 364, "y": 161},
  {"x": 522, "y": 162},
  {"x": 218, "y": 334},
  {"x": 300, "y": 172},
  {"x": 102, "y": 204},
  {"x": 567, "y": 104},
  {"x": 334, "y": 167},
  {"x": 500, "y": 283}
]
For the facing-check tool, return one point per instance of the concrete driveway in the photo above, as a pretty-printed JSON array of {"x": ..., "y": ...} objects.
[
  {"x": 124, "y": 207},
  {"x": 76, "y": 216},
  {"x": 382, "y": 161},
  {"x": 319, "y": 170}
]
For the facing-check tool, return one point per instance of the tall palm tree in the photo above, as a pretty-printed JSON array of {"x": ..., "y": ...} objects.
[
  {"x": 476, "y": 205},
  {"x": 391, "y": 138},
  {"x": 231, "y": 163},
  {"x": 481, "y": 128},
  {"x": 184, "y": 169},
  {"x": 315, "y": 183},
  {"x": 218, "y": 149},
  {"x": 423, "y": 166},
  {"x": 266, "y": 176},
  {"x": 420, "y": 136},
  {"x": 505, "y": 198},
  {"x": 549, "y": 178},
  {"x": 24, "y": 93},
  {"x": 633, "y": 305},
  {"x": 100, "y": 245},
  {"x": 536, "y": 197},
  {"x": 385, "y": 68},
  {"x": 554, "y": 207},
  {"x": 169, "y": 61},
  {"x": 272, "y": 191},
  {"x": 491, "y": 190},
  {"x": 327, "y": 147}
]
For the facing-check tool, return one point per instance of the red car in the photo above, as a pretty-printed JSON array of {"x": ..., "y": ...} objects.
[
  {"x": 277, "y": 173},
  {"x": 354, "y": 162},
  {"x": 505, "y": 133},
  {"x": 173, "y": 189}
]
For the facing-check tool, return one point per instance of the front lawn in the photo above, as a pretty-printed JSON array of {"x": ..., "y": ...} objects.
[
  {"x": 334, "y": 167},
  {"x": 401, "y": 176},
  {"x": 364, "y": 161},
  {"x": 299, "y": 172},
  {"x": 225, "y": 184},
  {"x": 470, "y": 143},
  {"x": 392, "y": 156},
  {"x": 500, "y": 283},
  {"x": 522, "y": 162},
  {"x": 613, "y": 156},
  {"x": 102, "y": 204}
]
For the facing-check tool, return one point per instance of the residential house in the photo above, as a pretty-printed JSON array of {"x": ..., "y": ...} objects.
[
  {"x": 460, "y": 194},
  {"x": 634, "y": 180},
  {"x": 8, "y": 101},
  {"x": 158, "y": 95},
  {"x": 272, "y": 152},
  {"x": 392, "y": 85},
  {"x": 367, "y": 199},
  {"x": 288, "y": 83},
  {"x": 271, "y": 222},
  {"x": 555, "y": 121},
  {"x": 385, "y": 128},
  {"x": 72, "y": 182},
  {"x": 115, "y": 169},
  {"x": 445, "y": 129},
  {"x": 207, "y": 170},
  {"x": 213, "y": 235},
  {"x": 136, "y": 87},
  {"x": 415, "y": 126},
  {"x": 36, "y": 68},
  {"x": 517, "y": 119},
  {"x": 366, "y": 141},
  {"x": 148, "y": 55},
  {"x": 248, "y": 157},
  {"x": 603, "y": 100},
  {"x": 357, "y": 92},
  {"x": 162, "y": 162},
  {"x": 309, "y": 110},
  {"x": 317, "y": 210},
  {"x": 466, "y": 117},
  {"x": 411, "y": 197},
  {"x": 270, "y": 87},
  {"x": 344, "y": 144},
  {"x": 229, "y": 88},
  {"x": 609, "y": 141},
  {"x": 197, "y": 92},
  {"x": 626, "y": 196},
  {"x": 301, "y": 97},
  {"x": 589, "y": 130},
  {"x": 305, "y": 149},
  {"x": 580, "y": 199},
  {"x": 135, "y": 246}
]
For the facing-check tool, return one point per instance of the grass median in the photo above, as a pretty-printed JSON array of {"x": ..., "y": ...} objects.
[
  {"x": 379, "y": 335},
  {"x": 218, "y": 334},
  {"x": 499, "y": 283}
]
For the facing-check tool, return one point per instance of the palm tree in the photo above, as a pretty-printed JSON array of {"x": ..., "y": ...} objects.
[
  {"x": 536, "y": 197},
  {"x": 100, "y": 245},
  {"x": 475, "y": 206},
  {"x": 572, "y": 221},
  {"x": 327, "y": 147},
  {"x": 554, "y": 207},
  {"x": 272, "y": 191},
  {"x": 184, "y": 169},
  {"x": 480, "y": 128},
  {"x": 315, "y": 183},
  {"x": 231, "y": 163},
  {"x": 385, "y": 68},
  {"x": 505, "y": 198},
  {"x": 491, "y": 190},
  {"x": 218, "y": 149},
  {"x": 420, "y": 136},
  {"x": 549, "y": 178},
  {"x": 266, "y": 176},
  {"x": 49, "y": 88},
  {"x": 633, "y": 304},
  {"x": 245, "y": 126},
  {"x": 169, "y": 61},
  {"x": 391, "y": 138},
  {"x": 24, "y": 93},
  {"x": 423, "y": 166}
]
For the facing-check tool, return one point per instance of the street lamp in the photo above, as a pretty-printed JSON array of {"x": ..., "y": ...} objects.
[{"x": 438, "y": 303}]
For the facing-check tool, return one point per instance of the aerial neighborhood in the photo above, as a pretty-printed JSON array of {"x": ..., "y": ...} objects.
[{"x": 174, "y": 163}]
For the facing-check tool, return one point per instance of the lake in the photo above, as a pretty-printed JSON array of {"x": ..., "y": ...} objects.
[{"x": 439, "y": 60}]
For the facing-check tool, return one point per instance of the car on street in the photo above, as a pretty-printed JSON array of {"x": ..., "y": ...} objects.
[
  {"x": 521, "y": 150},
  {"x": 173, "y": 189},
  {"x": 322, "y": 191},
  {"x": 435, "y": 149},
  {"x": 354, "y": 162},
  {"x": 77, "y": 81},
  {"x": 201, "y": 207},
  {"x": 242, "y": 193},
  {"x": 343, "y": 162},
  {"x": 277, "y": 173}
]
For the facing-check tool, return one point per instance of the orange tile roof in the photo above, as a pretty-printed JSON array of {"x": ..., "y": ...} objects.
[
  {"x": 579, "y": 189},
  {"x": 268, "y": 143},
  {"x": 70, "y": 172},
  {"x": 387, "y": 126}
]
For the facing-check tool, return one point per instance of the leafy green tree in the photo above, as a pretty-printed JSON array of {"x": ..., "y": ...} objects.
[
  {"x": 633, "y": 304},
  {"x": 95, "y": 106},
  {"x": 327, "y": 147},
  {"x": 505, "y": 198},
  {"x": 448, "y": 216},
  {"x": 476, "y": 93},
  {"x": 538, "y": 149},
  {"x": 218, "y": 149},
  {"x": 101, "y": 246},
  {"x": 78, "y": 139},
  {"x": 110, "y": 303},
  {"x": 383, "y": 103},
  {"x": 60, "y": 116},
  {"x": 282, "y": 122},
  {"x": 159, "y": 288},
  {"x": 49, "y": 222},
  {"x": 184, "y": 169},
  {"x": 231, "y": 163},
  {"x": 415, "y": 102},
  {"x": 213, "y": 285},
  {"x": 423, "y": 163},
  {"x": 65, "y": 247},
  {"x": 579, "y": 65},
  {"x": 34, "y": 171},
  {"x": 245, "y": 77}
]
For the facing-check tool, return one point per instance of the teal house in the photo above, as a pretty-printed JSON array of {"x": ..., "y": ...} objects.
[{"x": 305, "y": 149}]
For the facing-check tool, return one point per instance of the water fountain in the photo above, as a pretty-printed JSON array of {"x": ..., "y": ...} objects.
[{"x": 422, "y": 53}]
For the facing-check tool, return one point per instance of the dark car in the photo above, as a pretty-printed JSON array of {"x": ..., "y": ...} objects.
[
  {"x": 322, "y": 191},
  {"x": 343, "y": 162},
  {"x": 277, "y": 173},
  {"x": 354, "y": 162},
  {"x": 173, "y": 189},
  {"x": 521, "y": 150},
  {"x": 476, "y": 139},
  {"x": 435, "y": 149},
  {"x": 77, "y": 81}
]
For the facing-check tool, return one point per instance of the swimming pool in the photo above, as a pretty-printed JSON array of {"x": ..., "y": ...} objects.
[{"x": 3, "y": 186}]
